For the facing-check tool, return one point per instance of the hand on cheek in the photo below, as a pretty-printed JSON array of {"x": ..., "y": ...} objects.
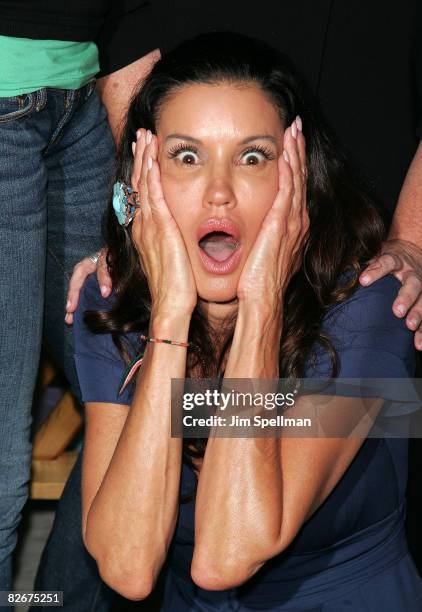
[
  {"x": 157, "y": 238},
  {"x": 276, "y": 253}
]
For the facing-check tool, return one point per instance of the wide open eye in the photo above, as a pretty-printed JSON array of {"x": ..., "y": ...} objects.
[
  {"x": 186, "y": 154},
  {"x": 257, "y": 154}
]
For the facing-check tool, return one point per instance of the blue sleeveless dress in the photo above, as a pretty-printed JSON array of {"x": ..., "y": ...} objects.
[{"x": 351, "y": 555}]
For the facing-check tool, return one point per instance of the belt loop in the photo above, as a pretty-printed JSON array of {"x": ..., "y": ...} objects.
[
  {"x": 41, "y": 99},
  {"x": 69, "y": 97},
  {"x": 89, "y": 88}
]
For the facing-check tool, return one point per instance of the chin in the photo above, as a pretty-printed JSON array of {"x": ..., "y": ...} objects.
[{"x": 217, "y": 289}]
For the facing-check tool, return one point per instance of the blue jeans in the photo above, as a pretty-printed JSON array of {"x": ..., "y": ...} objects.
[{"x": 56, "y": 166}]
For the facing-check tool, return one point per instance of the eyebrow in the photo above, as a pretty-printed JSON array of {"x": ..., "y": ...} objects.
[{"x": 245, "y": 141}]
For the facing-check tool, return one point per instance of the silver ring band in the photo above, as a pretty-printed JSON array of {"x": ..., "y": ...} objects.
[{"x": 95, "y": 257}]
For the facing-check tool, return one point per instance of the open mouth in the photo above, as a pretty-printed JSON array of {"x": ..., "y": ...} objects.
[{"x": 218, "y": 245}]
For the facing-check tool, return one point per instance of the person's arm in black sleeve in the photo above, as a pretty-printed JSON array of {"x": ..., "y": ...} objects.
[
  {"x": 401, "y": 254},
  {"x": 407, "y": 221},
  {"x": 128, "y": 48}
]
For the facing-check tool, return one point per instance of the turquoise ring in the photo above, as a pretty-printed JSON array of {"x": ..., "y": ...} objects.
[{"x": 125, "y": 203}]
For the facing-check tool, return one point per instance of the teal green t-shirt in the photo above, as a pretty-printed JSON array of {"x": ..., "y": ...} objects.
[{"x": 27, "y": 64}]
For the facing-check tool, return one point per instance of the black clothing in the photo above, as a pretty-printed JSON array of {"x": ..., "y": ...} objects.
[
  {"x": 76, "y": 20},
  {"x": 362, "y": 59},
  {"x": 359, "y": 57}
]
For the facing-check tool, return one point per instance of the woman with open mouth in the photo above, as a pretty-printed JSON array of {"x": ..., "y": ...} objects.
[{"x": 239, "y": 238}]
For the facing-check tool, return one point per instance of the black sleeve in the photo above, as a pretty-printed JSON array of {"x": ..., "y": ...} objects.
[
  {"x": 419, "y": 95},
  {"x": 129, "y": 33},
  {"x": 417, "y": 70}
]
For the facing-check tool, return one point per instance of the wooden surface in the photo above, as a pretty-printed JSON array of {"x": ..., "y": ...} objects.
[
  {"x": 51, "y": 463},
  {"x": 49, "y": 476},
  {"x": 55, "y": 435}
]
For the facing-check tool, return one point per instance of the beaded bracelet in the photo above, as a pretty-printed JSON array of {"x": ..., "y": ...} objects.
[{"x": 185, "y": 344}]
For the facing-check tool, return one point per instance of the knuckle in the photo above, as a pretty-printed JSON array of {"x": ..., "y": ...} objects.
[
  {"x": 412, "y": 279},
  {"x": 406, "y": 296},
  {"x": 290, "y": 190},
  {"x": 385, "y": 259},
  {"x": 408, "y": 285},
  {"x": 393, "y": 260},
  {"x": 415, "y": 314},
  {"x": 79, "y": 269}
]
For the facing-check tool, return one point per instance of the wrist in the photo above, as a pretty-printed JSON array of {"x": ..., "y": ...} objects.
[
  {"x": 255, "y": 349},
  {"x": 259, "y": 317},
  {"x": 172, "y": 326},
  {"x": 259, "y": 330}
]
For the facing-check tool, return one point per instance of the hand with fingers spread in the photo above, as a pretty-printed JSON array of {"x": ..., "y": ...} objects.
[
  {"x": 404, "y": 260},
  {"x": 157, "y": 237},
  {"x": 276, "y": 254}
]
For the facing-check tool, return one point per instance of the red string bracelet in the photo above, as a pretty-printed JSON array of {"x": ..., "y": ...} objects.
[
  {"x": 136, "y": 363},
  {"x": 161, "y": 340}
]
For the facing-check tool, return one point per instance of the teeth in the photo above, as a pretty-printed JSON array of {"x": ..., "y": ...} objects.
[
  {"x": 217, "y": 237},
  {"x": 215, "y": 234}
]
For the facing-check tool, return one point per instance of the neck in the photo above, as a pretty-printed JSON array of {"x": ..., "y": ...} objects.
[
  {"x": 219, "y": 316},
  {"x": 218, "y": 313}
]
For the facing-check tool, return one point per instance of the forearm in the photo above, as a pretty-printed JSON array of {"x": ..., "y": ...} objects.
[
  {"x": 116, "y": 89},
  {"x": 132, "y": 517},
  {"x": 239, "y": 500},
  {"x": 407, "y": 221}
]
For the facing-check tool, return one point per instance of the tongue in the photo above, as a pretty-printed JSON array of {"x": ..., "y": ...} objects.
[{"x": 218, "y": 247}]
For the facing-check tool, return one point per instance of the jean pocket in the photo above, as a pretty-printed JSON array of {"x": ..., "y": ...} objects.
[{"x": 16, "y": 107}]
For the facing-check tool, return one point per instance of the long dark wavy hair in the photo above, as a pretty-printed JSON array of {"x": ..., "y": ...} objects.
[{"x": 346, "y": 228}]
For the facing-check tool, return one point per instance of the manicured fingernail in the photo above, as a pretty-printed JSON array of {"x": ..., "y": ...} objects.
[
  {"x": 364, "y": 279},
  {"x": 299, "y": 123},
  {"x": 413, "y": 322},
  {"x": 104, "y": 290},
  {"x": 401, "y": 309},
  {"x": 149, "y": 137},
  {"x": 286, "y": 156},
  {"x": 149, "y": 163},
  {"x": 133, "y": 148},
  {"x": 68, "y": 304},
  {"x": 294, "y": 129},
  {"x": 138, "y": 133},
  {"x": 67, "y": 318}
]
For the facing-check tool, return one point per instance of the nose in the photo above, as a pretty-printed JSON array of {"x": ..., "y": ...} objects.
[{"x": 219, "y": 190}]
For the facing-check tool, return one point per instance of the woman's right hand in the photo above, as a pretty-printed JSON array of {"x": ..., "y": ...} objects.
[
  {"x": 157, "y": 237},
  {"x": 170, "y": 263}
]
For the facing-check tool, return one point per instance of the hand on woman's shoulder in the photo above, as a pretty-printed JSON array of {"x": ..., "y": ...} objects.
[
  {"x": 370, "y": 308},
  {"x": 91, "y": 298},
  {"x": 369, "y": 339}
]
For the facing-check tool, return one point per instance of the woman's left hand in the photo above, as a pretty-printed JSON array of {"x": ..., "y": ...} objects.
[
  {"x": 277, "y": 252},
  {"x": 403, "y": 259}
]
